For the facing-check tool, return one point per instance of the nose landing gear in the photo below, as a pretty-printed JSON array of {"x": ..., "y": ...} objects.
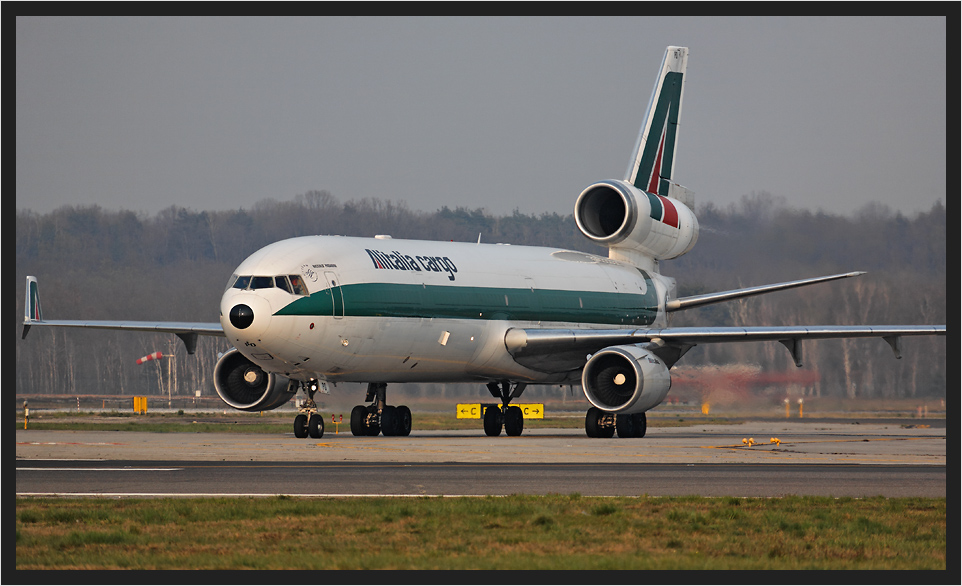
[{"x": 308, "y": 421}]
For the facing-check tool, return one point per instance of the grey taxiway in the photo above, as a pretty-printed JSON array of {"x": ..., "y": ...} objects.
[{"x": 753, "y": 459}]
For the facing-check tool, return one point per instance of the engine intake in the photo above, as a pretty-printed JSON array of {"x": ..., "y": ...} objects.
[
  {"x": 618, "y": 215},
  {"x": 245, "y": 386},
  {"x": 625, "y": 379}
]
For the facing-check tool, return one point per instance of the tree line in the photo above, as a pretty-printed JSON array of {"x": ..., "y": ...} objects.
[{"x": 95, "y": 263}]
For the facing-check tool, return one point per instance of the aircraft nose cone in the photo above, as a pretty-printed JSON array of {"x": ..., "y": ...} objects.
[{"x": 241, "y": 316}]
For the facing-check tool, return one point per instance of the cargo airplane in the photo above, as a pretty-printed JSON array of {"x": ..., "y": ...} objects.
[{"x": 305, "y": 312}]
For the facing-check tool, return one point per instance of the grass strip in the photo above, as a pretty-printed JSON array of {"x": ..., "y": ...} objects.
[{"x": 554, "y": 532}]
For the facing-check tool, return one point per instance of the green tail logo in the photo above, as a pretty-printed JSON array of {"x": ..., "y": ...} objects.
[{"x": 652, "y": 163}]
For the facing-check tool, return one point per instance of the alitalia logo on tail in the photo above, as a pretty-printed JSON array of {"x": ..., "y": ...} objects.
[
  {"x": 658, "y": 156},
  {"x": 652, "y": 162},
  {"x": 655, "y": 173}
]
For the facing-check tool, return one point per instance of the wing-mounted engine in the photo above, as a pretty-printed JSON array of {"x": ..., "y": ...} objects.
[
  {"x": 630, "y": 222},
  {"x": 244, "y": 385},
  {"x": 625, "y": 379}
]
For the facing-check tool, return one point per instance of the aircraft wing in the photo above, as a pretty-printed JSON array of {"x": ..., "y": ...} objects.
[
  {"x": 710, "y": 298},
  {"x": 186, "y": 331},
  {"x": 561, "y": 350}
]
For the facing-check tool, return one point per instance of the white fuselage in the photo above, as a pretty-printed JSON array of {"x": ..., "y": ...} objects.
[{"x": 384, "y": 310}]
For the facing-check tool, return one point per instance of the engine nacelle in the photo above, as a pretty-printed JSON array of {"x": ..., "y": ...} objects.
[
  {"x": 625, "y": 379},
  {"x": 244, "y": 385},
  {"x": 616, "y": 214}
]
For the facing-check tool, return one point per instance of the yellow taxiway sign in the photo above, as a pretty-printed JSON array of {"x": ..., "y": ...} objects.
[{"x": 476, "y": 410}]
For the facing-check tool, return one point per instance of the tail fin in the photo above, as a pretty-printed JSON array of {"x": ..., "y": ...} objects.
[
  {"x": 652, "y": 161},
  {"x": 31, "y": 306}
]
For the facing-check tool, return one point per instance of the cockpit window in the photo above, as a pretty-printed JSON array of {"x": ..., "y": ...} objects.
[
  {"x": 281, "y": 282},
  {"x": 298, "y": 284},
  {"x": 262, "y": 282},
  {"x": 293, "y": 284}
]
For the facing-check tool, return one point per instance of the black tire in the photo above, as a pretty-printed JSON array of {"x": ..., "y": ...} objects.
[
  {"x": 513, "y": 421},
  {"x": 625, "y": 425},
  {"x": 404, "y": 421},
  {"x": 372, "y": 425},
  {"x": 389, "y": 420},
  {"x": 315, "y": 426},
  {"x": 358, "y": 414},
  {"x": 640, "y": 421},
  {"x": 492, "y": 421},
  {"x": 300, "y": 426},
  {"x": 593, "y": 424}
]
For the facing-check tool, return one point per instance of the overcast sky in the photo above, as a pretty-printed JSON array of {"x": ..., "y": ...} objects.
[{"x": 499, "y": 113}]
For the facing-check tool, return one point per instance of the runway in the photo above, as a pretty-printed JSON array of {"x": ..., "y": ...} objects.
[
  {"x": 224, "y": 479},
  {"x": 753, "y": 459}
]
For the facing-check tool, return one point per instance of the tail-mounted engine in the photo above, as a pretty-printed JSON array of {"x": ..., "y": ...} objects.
[
  {"x": 244, "y": 385},
  {"x": 618, "y": 215},
  {"x": 625, "y": 379}
]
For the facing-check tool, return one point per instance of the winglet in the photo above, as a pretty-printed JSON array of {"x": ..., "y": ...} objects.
[
  {"x": 31, "y": 307},
  {"x": 652, "y": 161}
]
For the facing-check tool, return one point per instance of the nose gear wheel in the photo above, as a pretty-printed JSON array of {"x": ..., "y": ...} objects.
[{"x": 308, "y": 421}]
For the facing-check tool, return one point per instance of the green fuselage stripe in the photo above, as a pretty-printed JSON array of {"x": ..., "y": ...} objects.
[{"x": 458, "y": 302}]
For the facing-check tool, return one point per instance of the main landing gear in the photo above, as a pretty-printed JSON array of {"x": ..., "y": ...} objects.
[
  {"x": 508, "y": 416},
  {"x": 308, "y": 421},
  {"x": 601, "y": 424},
  {"x": 379, "y": 417}
]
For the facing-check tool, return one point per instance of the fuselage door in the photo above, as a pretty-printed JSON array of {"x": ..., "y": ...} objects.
[{"x": 337, "y": 295}]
